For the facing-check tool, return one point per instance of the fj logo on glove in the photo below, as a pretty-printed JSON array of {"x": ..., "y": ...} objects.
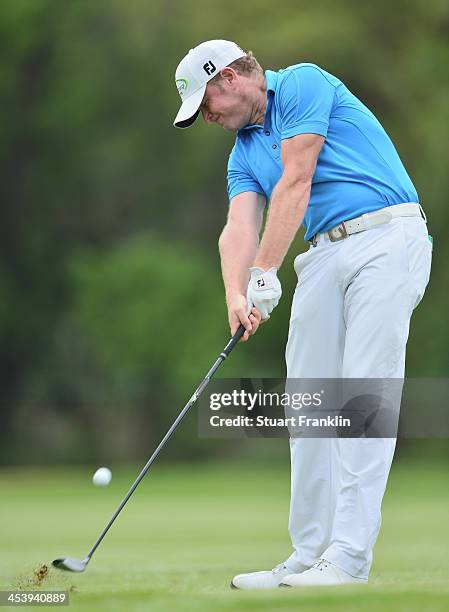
[{"x": 264, "y": 290}]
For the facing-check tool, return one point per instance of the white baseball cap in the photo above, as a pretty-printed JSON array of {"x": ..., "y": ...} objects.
[{"x": 199, "y": 66}]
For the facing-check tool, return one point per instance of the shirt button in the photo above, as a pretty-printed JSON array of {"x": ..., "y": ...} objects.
[
  {"x": 275, "y": 146},
  {"x": 267, "y": 132}
]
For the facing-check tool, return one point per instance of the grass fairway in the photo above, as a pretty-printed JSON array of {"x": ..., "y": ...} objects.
[{"x": 188, "y": 529}]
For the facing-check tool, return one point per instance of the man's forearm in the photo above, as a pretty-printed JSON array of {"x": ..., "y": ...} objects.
[
  {"x": 238, "y": 247},
  {"x": 287, "y": 209}
]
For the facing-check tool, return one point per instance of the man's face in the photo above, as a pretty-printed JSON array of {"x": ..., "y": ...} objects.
[{"x": 225, "y": 105}]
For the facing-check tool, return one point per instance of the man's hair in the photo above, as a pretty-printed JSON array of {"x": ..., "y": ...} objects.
[{"x": 246, "y": 65}]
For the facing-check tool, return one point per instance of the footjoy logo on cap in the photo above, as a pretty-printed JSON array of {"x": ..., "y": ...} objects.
[
  {"x": 182, "y": 85},
  {"x": 209, "y": 68}
]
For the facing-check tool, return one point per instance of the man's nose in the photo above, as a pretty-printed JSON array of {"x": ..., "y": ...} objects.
[{"x": 207, "y": 116}]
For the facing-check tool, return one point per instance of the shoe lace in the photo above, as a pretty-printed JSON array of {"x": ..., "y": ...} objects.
[
  {"x": 278, "y": 568},
  {"x": 321, "y": 565}
]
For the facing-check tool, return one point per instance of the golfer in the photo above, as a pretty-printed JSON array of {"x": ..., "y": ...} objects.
[{"x": 313, "y": 152}]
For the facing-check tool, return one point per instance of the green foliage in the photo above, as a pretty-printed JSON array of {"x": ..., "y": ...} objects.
[
  {"x": 148, "y": 308},
  {"x": 102, "y": 200}
]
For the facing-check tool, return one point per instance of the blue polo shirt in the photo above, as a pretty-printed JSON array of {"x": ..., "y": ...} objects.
[{"x": 358, "y": 169}]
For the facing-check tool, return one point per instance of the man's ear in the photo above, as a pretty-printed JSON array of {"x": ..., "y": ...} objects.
[{"x": 229, "y": 75}]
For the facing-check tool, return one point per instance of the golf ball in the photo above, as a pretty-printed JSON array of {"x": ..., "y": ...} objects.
[{"x": 102, "y": 477}]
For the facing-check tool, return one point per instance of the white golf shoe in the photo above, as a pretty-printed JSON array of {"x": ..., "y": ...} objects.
[
  {"x": 322, "y": 573},
  {"x": 261, "y": 580}
]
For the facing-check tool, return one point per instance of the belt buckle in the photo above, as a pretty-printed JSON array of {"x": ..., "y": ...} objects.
[{"x": 343, "y": 233}]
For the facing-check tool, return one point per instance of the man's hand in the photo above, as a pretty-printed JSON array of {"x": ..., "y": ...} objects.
[
  {"x": 264, "y": 291},
  {"x": 238, "y": 313}
]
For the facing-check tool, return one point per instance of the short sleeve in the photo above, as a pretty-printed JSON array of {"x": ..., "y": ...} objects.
[
  {"x": 239, "y": 177},
  {"x": 305, "y": 100}
]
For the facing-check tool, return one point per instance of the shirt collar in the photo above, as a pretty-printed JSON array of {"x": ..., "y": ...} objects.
[{"x": 271, "y": 79}]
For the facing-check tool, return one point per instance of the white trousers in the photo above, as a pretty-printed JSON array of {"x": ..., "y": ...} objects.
[{"x": 350, "y": 318}]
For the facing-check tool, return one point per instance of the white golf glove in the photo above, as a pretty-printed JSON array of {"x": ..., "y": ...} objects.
[{"x": 264, "y": 291}]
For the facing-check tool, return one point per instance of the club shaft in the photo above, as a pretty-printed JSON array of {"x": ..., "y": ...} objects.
[{"x": 226, "y": 351}]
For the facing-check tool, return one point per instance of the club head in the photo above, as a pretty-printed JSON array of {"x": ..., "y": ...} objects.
[{"x": 71, "y": 565}]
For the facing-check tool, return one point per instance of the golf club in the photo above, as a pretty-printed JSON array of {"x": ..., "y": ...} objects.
[{"x": 77, "y": 565}]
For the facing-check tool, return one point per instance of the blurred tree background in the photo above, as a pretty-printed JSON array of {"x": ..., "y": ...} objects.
[{"x": 111, "y": 303}]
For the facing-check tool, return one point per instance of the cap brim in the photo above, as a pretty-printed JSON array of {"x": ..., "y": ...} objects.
[{"x": 189, "y": 109}]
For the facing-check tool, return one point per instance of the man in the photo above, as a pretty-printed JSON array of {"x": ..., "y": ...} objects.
[{"x": 307, "y": 145}]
